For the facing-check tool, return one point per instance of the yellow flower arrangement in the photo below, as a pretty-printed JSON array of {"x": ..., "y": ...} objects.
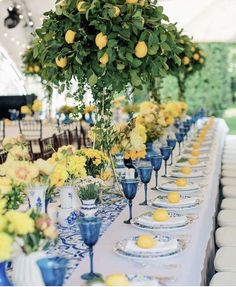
[
  {"x": 37, "y": 106},
  {"x": 5, "y": 185},
  {"x": 117, "y": 102},
  {"x": 25, "y": 110},
  {"x": 59, "y": 176},
  {"x": 18, "y": 152},
  {"x": 152, "y": 118},
  {"x": 19, "y": 223},
  {"x": 89, "y": 109},
  {"x": 3, "y": 222},
  {"x": 5, "y": 246}
]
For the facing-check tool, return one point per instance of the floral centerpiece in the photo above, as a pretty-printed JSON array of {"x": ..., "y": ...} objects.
[
  {"x": 173, "y": 110},
  {"x": 35, "y": 108},
  {"x": 31, "y": 66}
]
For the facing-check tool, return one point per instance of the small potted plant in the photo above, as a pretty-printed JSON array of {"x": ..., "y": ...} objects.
[{"x": 88, "y": 192}]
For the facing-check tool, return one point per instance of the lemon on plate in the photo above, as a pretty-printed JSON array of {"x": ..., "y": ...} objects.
[
  {"x": 186, "y": 170},
  {"x": 173, "y": 197},
  {"x": 146, "y": 241},
  {"x": 117, "y": 279},
  {"x": 195, "y": 152},
  {"x": 160, "y": 214},
  {"x": 193, "y": 161},
  {"x": 181, "y": 182}
]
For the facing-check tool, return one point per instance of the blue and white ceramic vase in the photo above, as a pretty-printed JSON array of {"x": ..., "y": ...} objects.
[
  {"x": 3, "y": 276},
  {"x": 37, "y": 197},
  {"x": 66, "y": 196},
  {"x": 89, "y": 208},
  {"x": 67, "y": 216}
]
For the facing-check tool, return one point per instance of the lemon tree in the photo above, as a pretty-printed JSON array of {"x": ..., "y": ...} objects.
[
  {"x": 192, "y": 60},
  {"x": 31, "y": 65}
]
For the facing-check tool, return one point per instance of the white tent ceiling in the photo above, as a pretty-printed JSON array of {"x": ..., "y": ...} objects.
[{"x": 205, "y": 20}]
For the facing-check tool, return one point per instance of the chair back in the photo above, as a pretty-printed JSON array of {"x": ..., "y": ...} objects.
[
  {"x": 74, "y": 138},
  {"x": 31, "y": 129},
  {"x": 62, "y": 139},
  {"x": 48, "y": 146},
  {"x": 3, "y": 156}
]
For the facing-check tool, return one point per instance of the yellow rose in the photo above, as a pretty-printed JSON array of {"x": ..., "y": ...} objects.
[
  {"x": 59, "y": 176},
  {"x": 5, "y": 246},
  {"x": 20, "y": 223},
  {"x": 25, "y": 110}
]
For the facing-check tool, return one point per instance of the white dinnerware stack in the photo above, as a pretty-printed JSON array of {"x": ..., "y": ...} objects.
[{"x": 225, "y": 235}]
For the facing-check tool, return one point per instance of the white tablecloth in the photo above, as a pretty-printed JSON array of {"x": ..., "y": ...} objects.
[{"x": 189, "y": 267}]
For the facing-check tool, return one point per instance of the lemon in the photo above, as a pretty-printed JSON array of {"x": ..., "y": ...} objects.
[
  {"x": 101, "y": 40},
  {"x": 36, "y": 68},
  {"x": 141, "y": 2},
  {"x": 160, "y": 214},
  {"x": 193, "y": 49},
  {"x": 70, "y": 36},
  {"x": 185, "y": 60},
  {"x": 193, "y": 161},
  {"x": 30, "y": 69},
  {"x": 141, "y": 49},
  {"x": 61, "y": 62},
  {"x": 81, "y": 7},
  {"x": 116, "y": 11},
  {"x": 196, "y": 146},
  {"x": 104, "y": 59},
  {"x": 173, "y": 197},
  {"x": 196, "y": 56},
  {"x": 186, "y": 170},
  {"x": 195, "y": 152},
  {"x": 118, "y": 279},
  {"x": 181, "y": 182},
  {"x": 146, "y": 241},
  {"x": 131, "y": 1},
  {"x": 201, "y": 60}
]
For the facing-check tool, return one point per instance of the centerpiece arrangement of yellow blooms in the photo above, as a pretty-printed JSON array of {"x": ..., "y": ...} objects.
[
  {"x": 152, "y": 117},
  {"x": 131, "y": 140},
  {"x": 173, "y": 110},
  {"x": 36, "y": 107},
  {"x": 23, "y": 238}
]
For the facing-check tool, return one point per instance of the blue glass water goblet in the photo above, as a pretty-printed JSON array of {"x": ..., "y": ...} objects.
[
  {"x": 145, "y": 173},
  {"x": 179, "y": 138},
  {"x": 156, "y": 161},
  {"x": 166, "y": 152},
  {"x": 90, "y": 229},
  {"x": 53, "y": 270},
  {"x": 129, "y": 187},
  {"x": 171, "y": 143}
]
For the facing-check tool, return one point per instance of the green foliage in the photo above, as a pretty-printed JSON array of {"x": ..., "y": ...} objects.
[
  {"x": 91, "y": 191},
  {"x": 135, "y": 23},
  {"x": 208, "y": 88},
  {"x": 31, "y": 65}
]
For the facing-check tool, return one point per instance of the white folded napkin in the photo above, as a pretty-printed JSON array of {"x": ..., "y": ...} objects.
[
  {"x": 185, "y": 201},
  {"x": 174, "y": 220},
  {"x": 160, "y": 247},
  {"x": 195, "y": 174}
]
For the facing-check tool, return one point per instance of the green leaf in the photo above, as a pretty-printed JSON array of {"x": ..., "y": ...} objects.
[
  {"x": 153, "y": 50},
  {"x": 92, "y": 80},
  {"x": 129, "y": 57},
  {"x": 136, "y": 81}
]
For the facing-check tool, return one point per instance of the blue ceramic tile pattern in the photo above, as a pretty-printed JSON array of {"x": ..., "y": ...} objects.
[{"x": 70, "y": 244}]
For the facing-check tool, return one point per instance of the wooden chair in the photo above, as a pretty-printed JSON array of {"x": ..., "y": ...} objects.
[
  {"x": 2, "y": 129},
  {"x": 48, "y": 146},
  {"x": 74, "y": 138},
  {"x": 85, "y": 141},
  {"x": 62, "y": 139},
  {"x": 3, "y": 156},
  {"x": 31, "y": 129}
]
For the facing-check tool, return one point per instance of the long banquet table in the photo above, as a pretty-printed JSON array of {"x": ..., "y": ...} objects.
[{"x": 187, "y": 268}]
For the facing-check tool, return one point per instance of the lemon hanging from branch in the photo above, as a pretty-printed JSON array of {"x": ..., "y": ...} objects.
[
  {"x": 101, "y": 40},
  {"x": 61, "y": 62},
  {"x": 70, "y": 37},
  {"x": 104, "y": 59},
  {"x": 141, "y": 49}
]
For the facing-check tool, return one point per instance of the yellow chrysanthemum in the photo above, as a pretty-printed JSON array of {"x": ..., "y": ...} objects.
[
  {"x": 37, "y": 106},
  {"x": 59, "y": 176},
  {"x": 76, "y": 166},
  {"x": 25, "y": 110},
  {"x": 5, "y": 185},
  {"x": 5, "y": 246},
  {"x": 106, "y": 175},
  {"x": 3, "y": 222},
  {"x": 20, "y": 223}
]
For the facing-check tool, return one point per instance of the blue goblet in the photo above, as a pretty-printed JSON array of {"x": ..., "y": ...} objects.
[
  {"x": 130, "y": 189},
  {"x": 53, "y": 270},
  {"x": 90, "y": 229},
  {"x": 156, "y": 161},
  {"x": 171, "y": 143},
  {"x": 179, "y": 138},
  {"x": 145, "y": 173},
  {"x": 165, "y": 152}
]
